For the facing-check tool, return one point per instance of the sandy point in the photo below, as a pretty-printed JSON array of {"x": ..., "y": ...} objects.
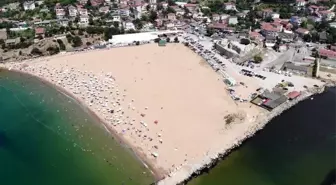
[{"x": 165, "y": 102}]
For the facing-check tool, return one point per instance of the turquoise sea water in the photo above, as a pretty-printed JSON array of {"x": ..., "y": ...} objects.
[
  {"x": 296, "y": 148},
  {"x": 46, "y": 138}
]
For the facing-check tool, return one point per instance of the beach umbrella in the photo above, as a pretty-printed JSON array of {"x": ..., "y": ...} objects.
[{"x": 156, "y": 122}]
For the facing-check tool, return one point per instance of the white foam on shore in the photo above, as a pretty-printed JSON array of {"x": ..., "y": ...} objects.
[{"x": 188, "y": 170}]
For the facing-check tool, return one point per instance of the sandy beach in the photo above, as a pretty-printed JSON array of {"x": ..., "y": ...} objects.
[{"x": 165, "y": 102}]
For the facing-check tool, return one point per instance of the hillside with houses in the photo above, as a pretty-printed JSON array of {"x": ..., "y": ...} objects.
[{"x": 34, "y": 28}]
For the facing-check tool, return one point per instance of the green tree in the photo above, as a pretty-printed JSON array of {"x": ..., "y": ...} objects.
[
  {"x": 61, "y": 44},
  {"x": 77, "y": 41},
  {"x": 315, "y": 67},
  {"x": 153, "y": 16}
]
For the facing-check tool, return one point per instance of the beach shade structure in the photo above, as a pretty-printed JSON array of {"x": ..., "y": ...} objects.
[
  {"x": 162, "y": 43},
  {"x": 156, "y": 121}
]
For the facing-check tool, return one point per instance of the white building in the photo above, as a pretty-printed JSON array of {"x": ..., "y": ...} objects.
[
  {"x": 129, "y": 26},
  {"x": 275, "y": 16},
  {"x": 152, "y": 4},
  {"x": 72, "y": 11},
  {"x": 233, "y": 20},
  {"x": 83, "y": 12},
  {"x": 229, "y": 6},
  {"x": 60, "y": 13},
  {"x": 29, "y": 5},
  {"x": 84, "y": 21},
  {"x": 116, "y": 18}
]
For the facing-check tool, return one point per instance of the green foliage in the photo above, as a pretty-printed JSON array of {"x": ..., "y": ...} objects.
[
  {"x": 314, "y": 72},
  {"x": 257, "y": 59},
  {"x": 76, "y": 41},
  {"x": 53, "y": 50},
  {"x": 152, "y": 16},
  {"x": 176, "y": 40}
]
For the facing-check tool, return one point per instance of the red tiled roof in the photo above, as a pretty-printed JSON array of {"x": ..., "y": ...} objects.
[
  {"x": 325, "y": 12},
  {"x": 327, "y": 53},
  {"x": 218, "y": 25},
  {"x": 190, "y": 5},
  {"x": 270, "y": 27},
  {"x": 301, "y": 30},
  {"x": 313, "y": 6},
  {"x": 39, "y": 30}
]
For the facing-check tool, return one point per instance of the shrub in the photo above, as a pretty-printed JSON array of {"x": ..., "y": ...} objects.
[
  {"x": 176, "y": 40},
  {"x": 168, "y": 39},
  {"x": 157, "y": 40},
  {"x": 137, "y": 43},
  {"x": 61, "y": 44},
  {"x": 245, "y": 41},
  {"x": 257, "y": 59}
]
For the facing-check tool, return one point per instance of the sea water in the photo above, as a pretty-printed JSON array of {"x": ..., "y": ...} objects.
[
  {"x": 47, "y": 138},
  {"x": 296, "y": 148}
]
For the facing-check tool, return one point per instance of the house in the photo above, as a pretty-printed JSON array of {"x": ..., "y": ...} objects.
[
  {"x": 275, "y": 15},
  {"x": 224, "y": 16},
  {"x": 332, "y": 24},
  {"x": 158, "y": 22},
  {"x": 229, "y": 6},
  {"x": 326, "y": 53},
  {"x": 295, "y": 20},
  {"x": 104, "y": 9},
  {"x": 314, "y": 18},
  {"x": 63, "y": 22},
  {"x": 29, "y": 5},
  {"x": 82, "y": 2},
  {"x": 178, "y": 10},
  {"x": 129, "y": 26},
  {"x": 232, "y": 20},
  {"x": 266, "y": 13},
  {"x": 171, "y": 16},
  {"x": 153, "y": 4},
  {"x": 256, "y": 36},
  {"x": 72, "y": 11},
  {"x": 12, "y": 42},
  {"x": 270, "y": 40},
  {"x": 191, "y": 7},
  {"x": 164, "y": 5},
  {"x": 217, "y": 26},
  {"x": 215, "y": 17},
  {"x": 327, "y": 15},
  {"x": 125, "y": 12},
  {"x": 83, "y": 20},
  {"x": 286, "y": 37},
  {"x": 301, "y": 32},
  {"x": 82, "y": 12},
  {"x": 60, "y": 12},
  {"x": 289, "y": 66},
  {"x": 96, "y": 3},
  {"x": 300, "y": 3},
  {"x": 39, "y": 32},
  {"x": 137, "y": 8},
  {"x": 170, "y": 26},
  {"x": 116, "y": 18},
  {"x": 270, "y": 28}
]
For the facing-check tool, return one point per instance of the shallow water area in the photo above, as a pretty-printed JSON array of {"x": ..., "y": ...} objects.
[
  {"x": 46, "y": 137},
  {"x": 298, "y": 147}
]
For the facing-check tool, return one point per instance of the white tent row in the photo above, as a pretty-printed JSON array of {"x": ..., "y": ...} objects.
[{"x": 141, "y": 37}]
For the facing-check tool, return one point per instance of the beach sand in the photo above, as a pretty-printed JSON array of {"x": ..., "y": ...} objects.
[{"x": 160, "y": 100}]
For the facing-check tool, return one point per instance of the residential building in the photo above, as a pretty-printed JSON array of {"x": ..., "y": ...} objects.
[
  {"x": 72, "y": 11},
  {"x": 116, "y": 18},
  {"x": 275, "y": 15},
  {"x": 152, "y": 4},
  {"x": 164, "y": 5},
  {"x": 229, "y": 6},
  {"x": 191, "y": 7},
  {"x": 232, "y": 20},
  {"x": 125, "y": 12},
  {"x": 171, "y": 16},
  {"x": 301, "y": 31},
  {"x": 224, "y": 16},
  {"x": 82, "y": 12},
  {"x": 158, "y": 22},
  {"x": 39, "y": 32},
  {"x": 60, "y": 12},
  {"x": 295, "y": 20},
  {"x": 256, "y": 36},
  {"x": 84, "y": 20},
  {"x": 29, "y": 5},
  {"x": 270, "y": 28},
  {"x": 170, "y": 26},
  {"x": 129, "y": 26},
  {"x": 266, "y": 13},
  {"x": 215, "y": 17},
  {"x": 327, "y": 15},
  {"x": 300, "y": 3},
  {"x": 104, "y": 9},
  {"x": 178, "y": 10},
  {"x": 82, "y": 2}
]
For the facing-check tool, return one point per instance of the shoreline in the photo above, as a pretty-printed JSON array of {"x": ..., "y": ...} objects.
[
  {"x": 157, "y": 175},
  {"x": 211, "y": 162}
]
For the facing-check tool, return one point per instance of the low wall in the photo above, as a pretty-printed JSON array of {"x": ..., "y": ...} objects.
[{"x": 188, "y": 172}]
